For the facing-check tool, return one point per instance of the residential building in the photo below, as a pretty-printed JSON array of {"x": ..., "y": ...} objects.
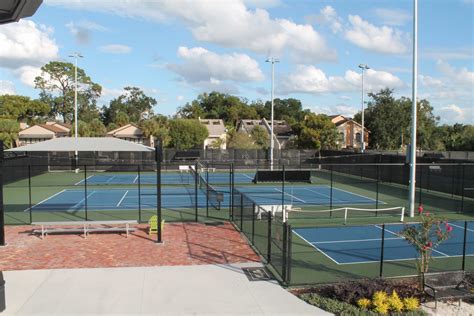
[
  {"x": 349, "y": 132},
  {"x": 132, "y": 133},
  {"x": 41, "y": 132},
  {"x": 282, "y": 132},
  {"x": 217, "y": 133}
]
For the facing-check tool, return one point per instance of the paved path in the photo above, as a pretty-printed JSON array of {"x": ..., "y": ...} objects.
[{"x": 167, "y": 290}]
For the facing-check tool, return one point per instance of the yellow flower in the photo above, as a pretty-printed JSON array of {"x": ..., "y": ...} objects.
[
  {"x": 379, "y": 301},
  {"x": 395, "y": 302},
  {"x": 363, "y": 303},
  {"x": 411, "y": 303},
  {"x": 382, "y": 308}
]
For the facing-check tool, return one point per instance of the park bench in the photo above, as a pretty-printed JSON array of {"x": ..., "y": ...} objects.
[
  {"x": 85, "y": 227},
  {"x": 447, "y": 285}
]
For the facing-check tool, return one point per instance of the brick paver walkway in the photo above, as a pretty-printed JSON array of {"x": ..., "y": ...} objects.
[{"x": 184, "y": 244}]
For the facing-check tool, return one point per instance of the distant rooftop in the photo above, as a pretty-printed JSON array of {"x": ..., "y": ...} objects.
[{"x": 69, "y": 144}]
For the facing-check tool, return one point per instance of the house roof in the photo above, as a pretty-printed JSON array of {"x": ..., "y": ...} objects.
[
  {"x": 70, "y": 144},
  {"x": 53, "y": 128},
  {"x": 345, "y": 120},
  {"x": 135, "y": 131},
  {"x": 215, "y": 127},
  {"x": 281, "y": 128}
]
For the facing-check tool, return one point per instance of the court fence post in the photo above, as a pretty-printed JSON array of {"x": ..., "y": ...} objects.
[
  {"x": 289, "y": 256},
  {"x": 139, "y": 194},
  {"x": 230, "y": 192},
  {"x": 269, "y": 245},
  {"x": 253, "y": 222},
  {"x": 285, "y": 251},
  {"x": 462, "y": 188},
  {"x": 464, "y": 247},
  {"x": 330, "y": 198},
  {"x": 382, "y": 251},
  {"x": 282, "y": 190},
  {"x": 29, "y": 194},
  {"x": 232, "y": 201},
  {"x": 2, "y": 210},
  {"x": 158, "y": 158},
  {"x": 242, "y": 212},
  {"x": 420, "y": 185},
  {"x": 377, "y": 190},
  {"x": 207, "y": 189},
  {"x": 196, "y": 184},
  {"x": 85, "y": 191}
]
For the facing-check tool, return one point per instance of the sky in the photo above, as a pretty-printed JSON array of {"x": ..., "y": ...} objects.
[{"x": 175, "y": 50}]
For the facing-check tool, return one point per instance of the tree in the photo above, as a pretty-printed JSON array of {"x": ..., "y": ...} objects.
[
  {"x": 57, "y": 89},
  {"x": 186, "y": 134},
  {"x": 97, "y": 128},
  {"x": 157, "y": 127},
  {"x": 389, "y": 119},
  {"x": 317, "y": 131},
  {"x": 83, "y": 130},
  {"x": 23, "y": 109},
  {"x": 9, "y": 132},
  {"x": 121, "y": 119},
  {"x": 260, "y": 137},
  {"x": 241, "y": 140},
  {"x": 191, "y": 110},
  {"x": 456, "y": 137},
  {"x": 133, "y": 102},
  {"x": 290, "y": 110}
]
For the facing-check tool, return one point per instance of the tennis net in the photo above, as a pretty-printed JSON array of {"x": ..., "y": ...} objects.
[
  {"x": 344, "y": 213},
  {"x": 213, "y": 196}
]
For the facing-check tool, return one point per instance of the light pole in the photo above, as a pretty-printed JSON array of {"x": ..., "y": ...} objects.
[
  {"x": 412, "y": 183},
  {"x": 273, "y": 61},
  {"x": 75, "y": 55},
  {"x": 362, "y": 140}
]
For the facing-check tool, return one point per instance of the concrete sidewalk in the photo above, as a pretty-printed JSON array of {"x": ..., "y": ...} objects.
[{"x": 166, "y": 290}]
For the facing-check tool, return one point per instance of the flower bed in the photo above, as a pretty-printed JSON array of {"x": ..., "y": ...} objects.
[{"x": 371, "y": 297}]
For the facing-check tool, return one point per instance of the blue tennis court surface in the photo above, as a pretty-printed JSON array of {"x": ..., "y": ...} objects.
[
  {"x": 166, "y": 178},
  {"x": 308, "y": 194},
  {"x": 362, "y": 244},
  {"x": 120, "y": 199}
]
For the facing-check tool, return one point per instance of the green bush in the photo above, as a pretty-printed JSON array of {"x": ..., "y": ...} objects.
[{"x": 345, "y": 309}]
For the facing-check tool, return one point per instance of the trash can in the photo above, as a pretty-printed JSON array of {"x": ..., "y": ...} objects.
[{"x": 2, "y": 292}]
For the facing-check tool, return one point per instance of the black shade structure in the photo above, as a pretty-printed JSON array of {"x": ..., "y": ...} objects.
[{"x": 14, "y": 10}]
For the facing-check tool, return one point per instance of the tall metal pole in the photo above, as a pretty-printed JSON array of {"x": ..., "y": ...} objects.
[
  {"x": 412, "y": 182},
  {"x": 75, "y": 56},
  {"x": 362, "y": 139},
  {"x": 273, "y": 61}
]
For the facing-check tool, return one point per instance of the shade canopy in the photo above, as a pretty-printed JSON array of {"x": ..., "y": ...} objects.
[{"x": 82, "y": 144}]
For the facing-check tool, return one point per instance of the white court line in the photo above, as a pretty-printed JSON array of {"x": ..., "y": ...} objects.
[
  {"x": 135, "y": 180},
  {"x": 123, "y": 197},
  {"x": 77, "y": 183},
  {"x": 365, "y": 197},
  {"x": 41, "y": 202},
  {"x": 388, "y": 230},
  {"x": 353, "y": 240},
  {"x": 469, "y": 230},
  {"x": 312, "y": 245},
  {"x": 290, "y": 195},
  {"x": 246, "y": 175},
  {"x": 72, "y": 209},
  {"x": 325, "y": 195},
  {"x": 111, "y": 178}
]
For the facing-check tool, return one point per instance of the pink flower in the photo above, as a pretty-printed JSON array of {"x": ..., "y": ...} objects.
[
  {"x": 429, "y": 245},
  {"x": 420, "y": 209},
  {"x": 449, "y": 228}
]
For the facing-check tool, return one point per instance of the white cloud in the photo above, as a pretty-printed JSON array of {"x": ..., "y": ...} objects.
[
  {"x": 327, "y": 16},
  {"x": 7, "y": 87},
  {"x": 429, "y": 81},
  {"x": 180, "y": 98},
  {"x": 227, "y": 23},
  {"x": 309, "y": 79},
  {"x": 395, "y": 17},
  {"x": 26, "y": 43},
  {"x": 452, "y": 113},
  {"x": 201, "y": 65},
  {"x": 382, "y": 39},
  {"x": 115, "y": 49},
  {"x": 460, "y": 76},
  {"x": 450, "y": 53},
  {"x": 345, "y": 97},
  {"x": 27, "y": 74}
]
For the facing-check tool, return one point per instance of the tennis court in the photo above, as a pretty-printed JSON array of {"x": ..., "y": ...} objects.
[
  {"x": 362, "y": 244},
  {"x": 305, "y": 194},
  {"x": 166, "y": 178},
  {"x": 72, "y": 200}
]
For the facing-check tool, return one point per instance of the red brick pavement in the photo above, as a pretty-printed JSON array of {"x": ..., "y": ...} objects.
[{"x": 184, "y": 244}]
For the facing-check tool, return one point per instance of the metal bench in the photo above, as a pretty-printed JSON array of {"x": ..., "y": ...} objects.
[
  {"x": 447, "y": 285},
  {"x": 86, "y": 227}
]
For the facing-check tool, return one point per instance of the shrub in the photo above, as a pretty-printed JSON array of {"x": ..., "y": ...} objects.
[
  {"x": 395, "y": 303},
  {"x": 411, "y": 303},
  {"x": 364, "y": 303}
]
